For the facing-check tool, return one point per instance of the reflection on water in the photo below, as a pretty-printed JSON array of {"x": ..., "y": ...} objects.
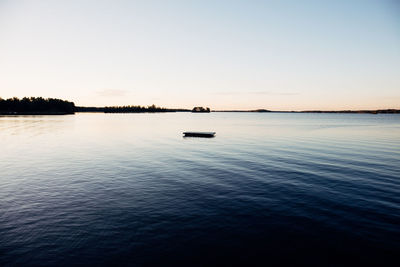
[{"x": 128, "y": 189}]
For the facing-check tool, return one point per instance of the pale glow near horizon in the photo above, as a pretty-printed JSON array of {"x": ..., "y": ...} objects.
[{"x": 278, "y": 55}]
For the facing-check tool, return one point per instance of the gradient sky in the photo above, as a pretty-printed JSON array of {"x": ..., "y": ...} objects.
[{"x": 279, "y": 55}]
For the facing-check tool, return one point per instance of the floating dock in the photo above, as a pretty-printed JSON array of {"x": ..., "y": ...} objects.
[{"x": 199, "y": 134}]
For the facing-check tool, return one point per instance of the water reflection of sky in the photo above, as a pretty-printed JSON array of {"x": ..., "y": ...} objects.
[
  {"x": 91, "y": 184},
  {"x": 160, "y": 135}
]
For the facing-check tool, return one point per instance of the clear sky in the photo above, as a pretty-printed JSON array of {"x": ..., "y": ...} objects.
[{"x": 279, "y": 55}]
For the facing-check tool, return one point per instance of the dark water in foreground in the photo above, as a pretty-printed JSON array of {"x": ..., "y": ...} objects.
[{"x": 127, "y": 189}]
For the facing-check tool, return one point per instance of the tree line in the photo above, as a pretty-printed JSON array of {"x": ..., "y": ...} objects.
[
  {"x": 36, "y": 105},
  {"x": 43, "y": 106},
  {"x": 134, "y": 109},
  {"x": 128, "y": 109}
]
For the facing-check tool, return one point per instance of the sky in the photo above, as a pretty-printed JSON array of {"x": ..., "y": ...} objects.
[{"x": 277, "y": 55}]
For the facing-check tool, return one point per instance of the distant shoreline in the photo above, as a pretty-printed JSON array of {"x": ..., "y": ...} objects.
[
  {"x": 377, "y": 111},
  {"x": 128, "y": 109},
  {"x": 164, "y": 110},
  {"x": 101, "y": 110},
  {"x": 53, "y": 106}
]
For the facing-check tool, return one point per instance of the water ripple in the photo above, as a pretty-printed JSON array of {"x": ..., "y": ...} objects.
[{"x": 104, "y": 189}]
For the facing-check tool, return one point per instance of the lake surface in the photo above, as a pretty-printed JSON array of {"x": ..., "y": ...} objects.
[{"x": 270, "y": 188}]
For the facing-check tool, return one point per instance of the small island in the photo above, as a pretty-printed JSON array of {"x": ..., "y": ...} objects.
[{"x": 201, "y": 110}]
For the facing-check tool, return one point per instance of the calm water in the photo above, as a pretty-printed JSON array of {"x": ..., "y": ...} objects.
[{"x": 127, "y": 189}]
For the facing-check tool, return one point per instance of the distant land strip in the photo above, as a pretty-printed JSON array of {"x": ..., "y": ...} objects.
[
  {"x": 129, "y": 109},
  {"x": 377, "y": 111},
  {"x": 53, "y": 106}
]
